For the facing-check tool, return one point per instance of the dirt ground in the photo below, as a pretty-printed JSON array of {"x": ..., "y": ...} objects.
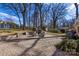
[{"x": 31, "y": 47}]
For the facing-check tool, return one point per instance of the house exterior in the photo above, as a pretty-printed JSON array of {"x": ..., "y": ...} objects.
[{"x": 7, "y": 25}]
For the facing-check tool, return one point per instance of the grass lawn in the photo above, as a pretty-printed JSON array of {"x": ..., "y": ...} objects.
[
  {"x": 4, "y": 32},
  {"x": 12, "y": 31},
  {"x": 50, "y": 33}
]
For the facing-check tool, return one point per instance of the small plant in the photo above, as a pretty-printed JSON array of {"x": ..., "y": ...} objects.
[{"x": 71, "y": 45}]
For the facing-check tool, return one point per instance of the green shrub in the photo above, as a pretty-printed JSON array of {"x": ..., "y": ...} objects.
[
  {"x": 67, "y": 45},
  {"x": 62, "y": 45},
  {"x": 71, "y": 45}
]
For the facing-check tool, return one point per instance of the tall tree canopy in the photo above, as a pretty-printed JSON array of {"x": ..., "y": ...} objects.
[{"x": 39, "y": 14}]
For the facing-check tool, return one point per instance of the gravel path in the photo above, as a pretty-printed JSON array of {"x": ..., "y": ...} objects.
[{"x": 35, "y": 47}]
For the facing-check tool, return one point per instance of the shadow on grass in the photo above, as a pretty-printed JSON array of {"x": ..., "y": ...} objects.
[
  {"x": 21, "y": 39},
  {"x": 56, "y": 53},
  {"x": 26, "y": 50},
  {"x": 16, "y": 39}
]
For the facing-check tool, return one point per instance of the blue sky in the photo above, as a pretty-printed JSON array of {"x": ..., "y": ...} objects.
[
  {"x": 71, "y": 11},
  {"x": 9, "y": 14}
]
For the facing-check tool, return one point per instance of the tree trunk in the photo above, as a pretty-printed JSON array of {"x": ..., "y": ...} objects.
[
  {"x": 76, "y": 10},
  {"x": 23, "y": 13},
  {"x": 29, "y": 14},
  {"x": 23, "y": 21},
  {"x": 54, "y": 24},
  {"x": 19, "y": 22},
  {"x": 40, "y": 19}
]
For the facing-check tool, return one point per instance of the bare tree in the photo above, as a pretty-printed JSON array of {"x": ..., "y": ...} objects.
[
  {"x": 29, "y": 14},
  {"x": 19, "y": 9},
  {"x": 58, "y": 11},
  {"x": 23, "y": 11},
  {"x": 14, "y": 8}
]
